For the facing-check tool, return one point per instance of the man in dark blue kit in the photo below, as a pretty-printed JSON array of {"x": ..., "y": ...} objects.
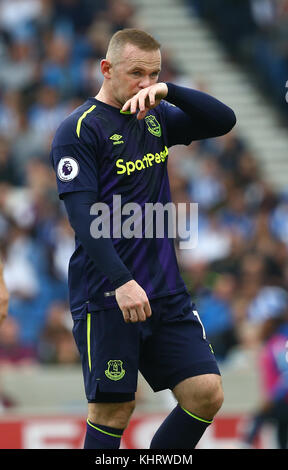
[{"x": 130, "y": 306}]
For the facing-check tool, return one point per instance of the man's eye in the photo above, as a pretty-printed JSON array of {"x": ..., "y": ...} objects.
[{"x": 136, "y": 74}]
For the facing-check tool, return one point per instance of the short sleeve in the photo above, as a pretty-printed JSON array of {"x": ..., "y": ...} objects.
[{"x": 75, "y": 162}]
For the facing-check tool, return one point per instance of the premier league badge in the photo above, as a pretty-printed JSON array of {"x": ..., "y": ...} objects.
[{"x": 68, "y": 169}]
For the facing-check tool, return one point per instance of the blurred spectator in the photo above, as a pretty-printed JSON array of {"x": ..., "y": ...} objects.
[
  {"x": 213, "y": 242},
  {"x": 216, "y": 312},
  {"x": 28, "y": 11},
  {"x": 9, "y": 114},
  {"x": 18, "y": 69},
  {"x": 230, "y": 152},
  {"x": 8, "y": 170},
  {"x": 12, "y": 351},
  {"x": 207, "y": 189},
  {"x": 270, "y": 302},
  {"x": 269, "y": 311},
  {"x": 4, "y": 296},
  {"x": 26, "y": 146},
  {"x": 120, "y": 13},
  {"x": 279, "y": 220},
  {"x": 234, "y": 217},
  {"x": 20, "y": 270},
  {"x": 62, "y": 249},
  {"x": 253, "y": 274},
  {"x": 47, "y": 112},
  {"x": 56, "y": 344},
  {"x": 76, "y": 15}
]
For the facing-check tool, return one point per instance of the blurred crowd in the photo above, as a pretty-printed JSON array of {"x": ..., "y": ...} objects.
[
  {"x": 255, "y": 32},
  {"x": 49, "y": 63},
  {"x": 238, "y": 272}
]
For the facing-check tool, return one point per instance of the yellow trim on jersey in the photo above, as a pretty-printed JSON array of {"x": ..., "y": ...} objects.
[{"x": 79, "y": 122}]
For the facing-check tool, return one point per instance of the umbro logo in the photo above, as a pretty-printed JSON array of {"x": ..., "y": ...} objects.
[{"x": 117, "y": 139}]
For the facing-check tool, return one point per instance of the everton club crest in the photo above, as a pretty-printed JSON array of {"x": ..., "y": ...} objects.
[
  {"x": 115, "y": 370},
  {"x": 153, "y": 125}
]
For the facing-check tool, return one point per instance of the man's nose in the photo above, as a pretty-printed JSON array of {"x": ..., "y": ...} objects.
[{"x": 145, "y": 82}]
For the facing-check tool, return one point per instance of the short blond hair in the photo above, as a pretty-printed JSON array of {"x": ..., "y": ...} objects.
[{"x": 133, "y": 36}]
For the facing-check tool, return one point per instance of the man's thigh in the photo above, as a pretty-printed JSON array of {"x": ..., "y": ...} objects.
[
  {"x": 178, "y": 348},
  {"x": 109, "y": 351}
]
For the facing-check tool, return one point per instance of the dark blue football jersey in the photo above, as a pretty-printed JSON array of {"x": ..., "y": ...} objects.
[{"x": 98, "y": 148}]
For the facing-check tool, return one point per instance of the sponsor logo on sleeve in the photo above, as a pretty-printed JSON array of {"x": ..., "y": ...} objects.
[{"x": 67, "y": 169}]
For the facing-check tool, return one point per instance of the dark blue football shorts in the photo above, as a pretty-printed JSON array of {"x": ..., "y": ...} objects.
[{"x": 167, "y": 348}]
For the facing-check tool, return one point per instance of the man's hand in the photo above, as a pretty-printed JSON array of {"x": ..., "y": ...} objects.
[
  {"x": 133, "y": 302},
  {"x": 146, "y": 99}
]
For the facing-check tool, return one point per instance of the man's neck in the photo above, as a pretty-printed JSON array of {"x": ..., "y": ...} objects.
[{"x": 104, "y": 96}]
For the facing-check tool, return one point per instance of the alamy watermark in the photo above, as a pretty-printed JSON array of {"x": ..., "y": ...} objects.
[{"x": 155, "y": 220}]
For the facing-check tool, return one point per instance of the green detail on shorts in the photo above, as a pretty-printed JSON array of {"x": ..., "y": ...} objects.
[
  {"x": 197, "y": 417},
  {"x": 88, "y": 339},
  {"x": 78, "y": 128},
  {"x": 153, "y": 125},
  {"x": 115, "y": 370},
  {"x": 101, "y": 430},
  {"x": 210, "y": 345}
]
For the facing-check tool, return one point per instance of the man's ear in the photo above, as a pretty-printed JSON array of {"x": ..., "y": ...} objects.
[{"x": 105, "y": 66}]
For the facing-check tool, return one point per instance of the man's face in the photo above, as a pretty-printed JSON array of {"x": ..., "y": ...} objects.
[{"x": 136, "y": 69}]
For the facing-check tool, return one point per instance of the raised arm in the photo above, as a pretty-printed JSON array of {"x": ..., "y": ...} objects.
[{"x": 195, "y": 115}]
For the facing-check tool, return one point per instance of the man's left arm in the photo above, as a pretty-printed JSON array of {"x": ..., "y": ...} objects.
[{"x": 195, "y": 115}]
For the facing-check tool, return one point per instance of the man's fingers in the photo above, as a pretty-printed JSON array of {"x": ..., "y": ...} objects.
[
  {"x": 126, "y": 315},
  {"x": 133, "y": 315},
  {"x": 147, "y": 310},
  {"x": 146, "y": 99},
  {"x": 133, "y": 302},
  {"x": 130, "y": 315},
  {"x": 142, "y": 114},
  {"x": 151, "y": 97},
  {"x": 141, "y": 101},
  {"x": 133, "y": 106},
  {"x": 126, "y": 105},
  {"x": 140, "y": 313}
]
